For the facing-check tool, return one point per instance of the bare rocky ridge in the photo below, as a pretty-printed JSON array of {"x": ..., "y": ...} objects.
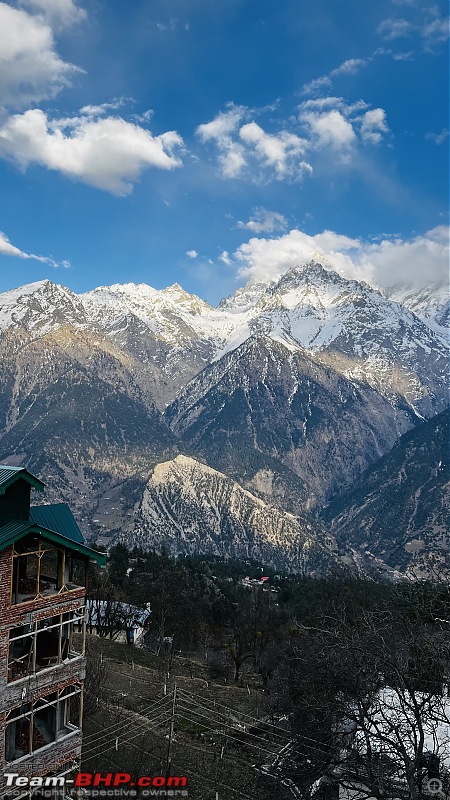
[
  {"x": 72, "y": 412},
  {"x": 195, "y": 509}
]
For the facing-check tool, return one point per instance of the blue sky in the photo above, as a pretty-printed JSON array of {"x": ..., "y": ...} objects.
[{"x": 209, "y": 142}]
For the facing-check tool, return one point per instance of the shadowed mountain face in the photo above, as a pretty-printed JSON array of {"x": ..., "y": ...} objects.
[
  {"x": 72, "y": 412},
  {"x": 262, "y": 404},
  {"x": 400, "y": 510}
]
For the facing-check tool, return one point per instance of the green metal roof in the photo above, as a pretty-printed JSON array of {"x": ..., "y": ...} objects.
[
  {"x": 9, "y": 475},
  {"x": 57, "y": 518},
  {"x": 53, "y": 522},
  {"x": 14, "y": 531},
  {"x": 9, "y": 532}
]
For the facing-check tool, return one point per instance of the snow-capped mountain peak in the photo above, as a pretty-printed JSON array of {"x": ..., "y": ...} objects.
[{"x": 40, "y": 307}]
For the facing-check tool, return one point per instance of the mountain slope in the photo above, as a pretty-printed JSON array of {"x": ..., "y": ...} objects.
[
  {"x": 191, "y": 508},
  {"x": 262, "y": 401},
  {"x": 428, "y": 303},
  {"x": 293, "y": 388},
  {"x": 70, "y": 409},
  {"x": 400, "y": 510},
  {"x": 171, "y": 334}
]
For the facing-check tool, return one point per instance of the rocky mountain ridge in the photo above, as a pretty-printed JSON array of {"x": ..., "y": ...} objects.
[
  {"x": 171, "y": 335},
  {"x": 290, "y": 389},
  {"x": 196, "y": 509},
  {"x": 263, "y": 404}
]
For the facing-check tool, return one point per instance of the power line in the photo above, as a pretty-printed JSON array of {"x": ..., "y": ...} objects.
[
  {"x": 124, "y": 730},
  {"x": 142, "y": 713},
  {"x": 208, "y": 719},
  {"x": 254, "y": 719},
  {"x": 221, "y": 705},
  {"x": 314, "y": 748},
  {"x": 230, "y": 710},
  {"x": 101, "y": 749}
]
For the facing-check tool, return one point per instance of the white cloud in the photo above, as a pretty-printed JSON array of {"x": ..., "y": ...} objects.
[
  {"x": 395, "y": 28},
  {"x": 350, "y": 67},
  {"x": 330, "y": 128},
  {"x": 406, "y": 56},
  {"x": 427, "y": 23},
  {"x": 94, "y": 111},
  {"x": 107, "y": 153},
  {"x": 225, "y": 257},
  {"x": 438, "y": 138},
  {"x": 239, "y": 144},
  {"x": 233, "y": 160},
  {"x": 222, "y": 126},
  {"x": 8, "y": 249},
  {"x": 264, "y": 221},
  {"x": 374, "y": 125},
  {"x": 57, "y": 13},
  {"x": 30, "y": 68},
  {"x": 332, "y": 123},
  {"x": 317, "y": 85},
  {"x": 192, "y": 253},
  {"x": 435, "y": 29},
  {"x": 328, "y": 123},
  {"x": 220, "y": 131},
  {"x": 279, "y": 151},
  {"x": 421, "y": 260},
  {"x": 330, "y": 102}
]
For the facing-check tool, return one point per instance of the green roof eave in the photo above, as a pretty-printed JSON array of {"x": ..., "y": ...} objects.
[
  {"x": 20, "y": 474},
  {"x": 93, "y": 555},
  {"x": 23, "y": 530}
]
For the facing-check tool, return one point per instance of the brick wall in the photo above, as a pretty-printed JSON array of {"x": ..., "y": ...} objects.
[
  {"x": 12, "y": 614},
  {"x": 5, "y": 583},
  {"x": 54, "y": 757},
  {"x": 50, "y": 760}
]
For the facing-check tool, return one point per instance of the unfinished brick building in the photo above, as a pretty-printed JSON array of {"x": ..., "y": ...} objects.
[{"x": 43, "y": 585}]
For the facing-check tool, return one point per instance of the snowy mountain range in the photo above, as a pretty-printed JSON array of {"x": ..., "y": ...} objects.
[
  {"x": 290, "y": 388},
  {"x": 383, "y": 340}
]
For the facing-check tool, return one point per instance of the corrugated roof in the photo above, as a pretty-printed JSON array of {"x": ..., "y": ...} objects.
[
  {"x": 11, "y": 531},
  {"x": 57, "y": 518},
  {"x": 10, "y": 474}
]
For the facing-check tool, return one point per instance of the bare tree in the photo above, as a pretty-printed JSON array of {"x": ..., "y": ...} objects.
[{"x": 370, "y": 711}]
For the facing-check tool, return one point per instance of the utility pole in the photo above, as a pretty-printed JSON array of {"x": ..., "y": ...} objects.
[{"x": 171, "y": 732}]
